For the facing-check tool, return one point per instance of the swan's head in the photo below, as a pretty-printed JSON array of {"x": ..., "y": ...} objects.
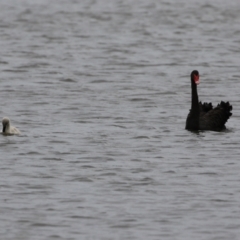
[
  {"x": 195, "y": 77},
  {"x": 6, "y": 124}
]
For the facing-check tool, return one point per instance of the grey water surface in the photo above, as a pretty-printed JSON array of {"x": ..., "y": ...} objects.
[{"x": 100, "y": 90}]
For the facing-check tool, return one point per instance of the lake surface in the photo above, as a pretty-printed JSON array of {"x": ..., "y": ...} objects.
[{"x": 100, "y": 91}]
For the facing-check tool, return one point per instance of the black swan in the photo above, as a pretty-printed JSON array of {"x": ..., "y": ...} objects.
[{"x": 203, "y": 116}]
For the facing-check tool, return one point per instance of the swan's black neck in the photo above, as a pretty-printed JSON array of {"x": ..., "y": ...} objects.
[
  {"x": 195, "y": 105},
  {"x": 193, "y": 117},
  {"x": 192, "y": 122}
]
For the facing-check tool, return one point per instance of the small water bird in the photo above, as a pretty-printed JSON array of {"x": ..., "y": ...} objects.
[{"x": 7, "y": 128}]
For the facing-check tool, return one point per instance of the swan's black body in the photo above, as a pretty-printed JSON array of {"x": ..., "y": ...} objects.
[{"x": 204, "y": 116}]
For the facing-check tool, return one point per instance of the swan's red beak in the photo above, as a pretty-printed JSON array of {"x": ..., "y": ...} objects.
[{"x": 196, "y": 79}]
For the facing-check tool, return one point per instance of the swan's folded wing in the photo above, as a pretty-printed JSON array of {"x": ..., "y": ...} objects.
[
  {"x": 205, "y": 107},
  {"x": 216, "y": 118}
]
